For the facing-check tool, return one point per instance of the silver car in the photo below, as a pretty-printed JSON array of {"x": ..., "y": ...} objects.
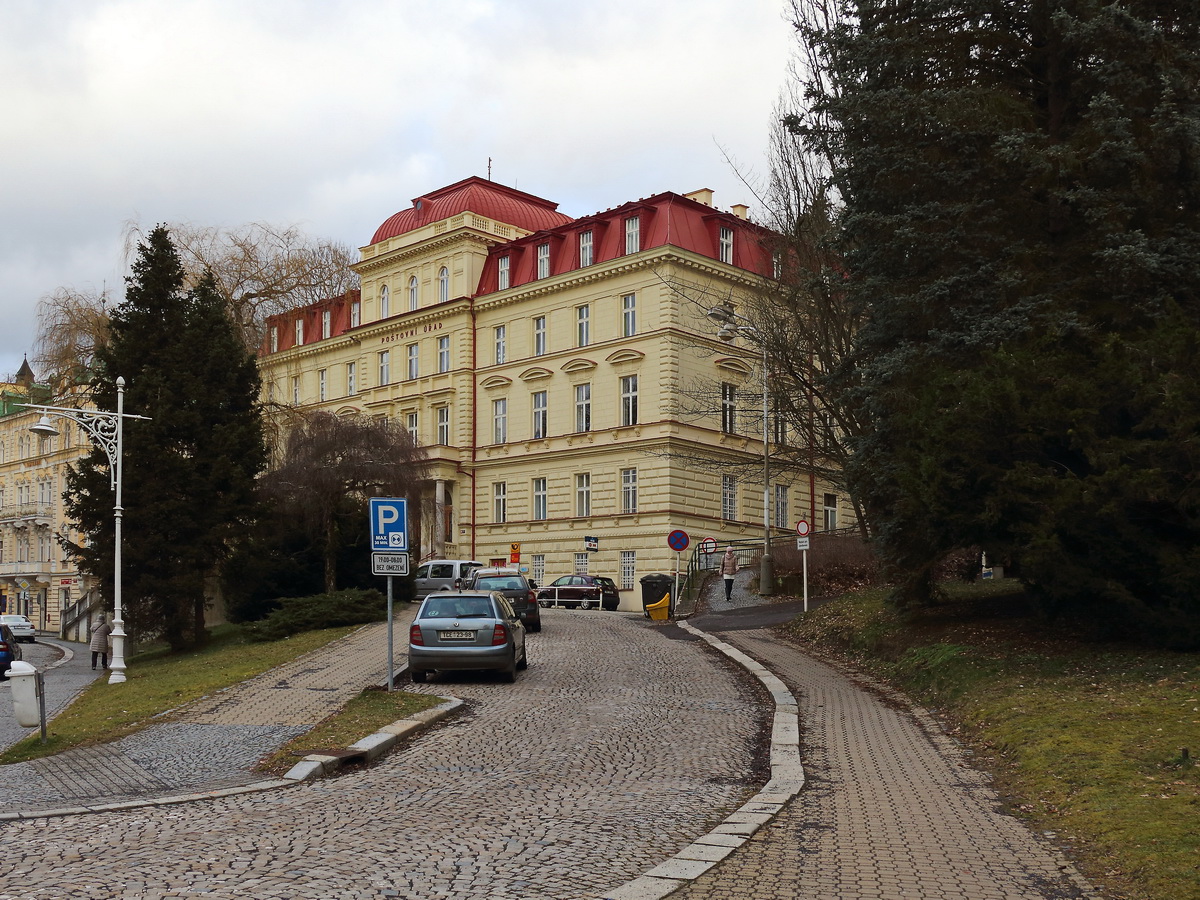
[
  {"x": 22, "y": 628},
  {"x": 456, "y": 630}
]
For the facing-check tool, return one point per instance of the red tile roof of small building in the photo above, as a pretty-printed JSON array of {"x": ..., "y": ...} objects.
[{"x": 477, "y": 195}]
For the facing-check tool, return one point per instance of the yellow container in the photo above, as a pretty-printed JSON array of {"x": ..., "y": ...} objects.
[{"x": 660, "y": 610}]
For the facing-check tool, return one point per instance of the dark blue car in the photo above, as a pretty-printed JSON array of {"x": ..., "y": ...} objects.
[{"x": 10, "y": 650}]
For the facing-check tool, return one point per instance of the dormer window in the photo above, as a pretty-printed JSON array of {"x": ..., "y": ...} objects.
[
  {"x": 502, "y": 273},
  {"x": 725, "y": 245},
  {"x": 543, "y": 261},
  {"x": 299, "y": 332},
  {"x": 274, "y": 339},
  {"x": 326, "y": 323},
  {"x": 585, "y": 249},
  {"x": 633, "y": 236}
]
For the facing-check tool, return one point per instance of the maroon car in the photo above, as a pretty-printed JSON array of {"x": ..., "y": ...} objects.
[{"x": 584, "y": 591}]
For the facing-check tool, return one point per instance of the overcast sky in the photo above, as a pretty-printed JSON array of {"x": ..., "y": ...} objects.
[{"x": 334, "y": 115}]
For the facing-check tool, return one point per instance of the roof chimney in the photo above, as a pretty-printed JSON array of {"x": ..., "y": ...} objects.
[
  {"x": 704, "y": 195},
  {"x": 740, "y": 210}
]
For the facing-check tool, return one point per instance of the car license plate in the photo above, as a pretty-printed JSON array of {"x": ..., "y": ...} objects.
[{"x": 456, "y": 635}]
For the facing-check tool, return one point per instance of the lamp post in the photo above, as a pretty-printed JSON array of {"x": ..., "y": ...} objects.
[
  {"x": 107, "y": 430},
  {"x": 729, "y": 330}
]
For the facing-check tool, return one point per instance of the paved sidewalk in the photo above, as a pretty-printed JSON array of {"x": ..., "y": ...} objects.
[
  {"x": 891, "y": 809},
  {"x": 212, "y": 743}
]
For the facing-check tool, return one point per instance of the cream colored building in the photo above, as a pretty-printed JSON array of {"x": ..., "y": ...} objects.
[
  {"x": 551, "y": 366},
  {"x": 37, "y": 577}
]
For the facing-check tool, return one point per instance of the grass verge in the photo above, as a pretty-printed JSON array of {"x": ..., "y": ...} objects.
[
  {"x": 158, "y": 682},
  {"x": 1084, "y": 740},
  {"x": 361, "y": 716}
]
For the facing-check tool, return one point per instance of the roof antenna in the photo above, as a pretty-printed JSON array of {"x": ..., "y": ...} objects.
[{"x": 489, "y": 168}]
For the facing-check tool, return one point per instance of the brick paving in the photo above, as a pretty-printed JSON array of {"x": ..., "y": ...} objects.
[{"x": 892, "y": 808}]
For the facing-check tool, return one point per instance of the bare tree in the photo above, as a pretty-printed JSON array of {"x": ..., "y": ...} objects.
[
  {"x": 262, "y": 269},
  {"x": 72, "y": 326},
  {"x": 330, "y": 461}
]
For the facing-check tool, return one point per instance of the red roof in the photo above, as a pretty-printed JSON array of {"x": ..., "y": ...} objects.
[{"x": 496, "y": 201}]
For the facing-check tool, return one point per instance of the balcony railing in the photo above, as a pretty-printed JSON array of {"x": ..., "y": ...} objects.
[
  {"x": 11, "y": 512},
  {"x": 35, "y": 571}
]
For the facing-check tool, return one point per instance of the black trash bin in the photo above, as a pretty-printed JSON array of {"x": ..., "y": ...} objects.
[{"x": 654, "y": 587}]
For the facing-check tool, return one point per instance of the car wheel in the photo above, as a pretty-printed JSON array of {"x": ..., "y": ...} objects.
[
  {"x": 418, "y": 675},
  {"x": 510, "y": 674},
  {"x": 544, "y": 604},
  {"x": 524, "y": 663},
  {"x": 535, "y": 627},
  {"x": 585, "y": 604}
]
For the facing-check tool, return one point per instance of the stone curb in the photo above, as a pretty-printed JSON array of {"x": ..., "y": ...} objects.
[
  {"x": 787, "y": 780},
  {"x": 373, "y": 746}
]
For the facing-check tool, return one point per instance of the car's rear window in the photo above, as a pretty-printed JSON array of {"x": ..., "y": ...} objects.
[
  {"x": 498, "y": 583},
  {"x": 458, "y": 608}
]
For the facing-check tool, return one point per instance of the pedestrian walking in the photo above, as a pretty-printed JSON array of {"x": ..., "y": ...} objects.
[
  {"x": 99, "y": 644},
  {"x": 729, "y": 567}
]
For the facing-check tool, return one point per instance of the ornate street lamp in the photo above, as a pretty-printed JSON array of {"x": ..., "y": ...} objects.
[
  {"x": 729, "y": 330},
  {"x": 106, "y": 429}
]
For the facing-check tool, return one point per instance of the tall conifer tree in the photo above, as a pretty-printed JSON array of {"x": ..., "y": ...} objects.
[
  {"x": 189, "y": 470},
  {"x": 1022, "y": 228}
]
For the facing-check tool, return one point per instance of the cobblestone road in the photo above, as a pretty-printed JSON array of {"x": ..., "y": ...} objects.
[{"x": 621, "y": 742}]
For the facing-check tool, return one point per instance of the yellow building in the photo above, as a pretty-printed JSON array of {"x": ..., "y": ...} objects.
[
  {"x": 551, "y": 366},
  {"x": 38, "y": 578}
]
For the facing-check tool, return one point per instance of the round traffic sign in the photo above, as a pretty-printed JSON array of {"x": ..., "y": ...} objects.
[
  {"x": 678, "y": 540},
  {"x": 802, "y": 528},
  {"x": 708, "y": 545}
]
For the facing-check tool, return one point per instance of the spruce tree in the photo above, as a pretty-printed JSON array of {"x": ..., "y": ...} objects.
[
  {"x": 1021, "y": 184},
  {"x": 189, "y": 471}
]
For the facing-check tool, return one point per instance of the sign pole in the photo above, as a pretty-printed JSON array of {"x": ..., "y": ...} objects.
[
  {"x": 675, "y": 593},
  {"x": 805, "y": 555},
  {"x": 391, "y": 669}
]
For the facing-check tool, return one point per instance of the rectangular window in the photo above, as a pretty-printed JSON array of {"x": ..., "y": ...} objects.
[
  {"x": 500, "y": 333},
  {"x": 410, "y": 425},
  {"x": 779, "y": 430},
  {"x": 776, "y": 265},
  {"x": 539, "y": 336},
  {"x": 443, "y": 354},
  {"x": 543, "y": 260},
  {"x": 583, "y": 494},
  {"x": 326, "y": 323},
  {"x": 385, "y": 366},
  {"x": 355, "y": 314},
  {"x": 540, "y": 505},
  {"x": 583, "y": 407},
  {"x": 585, "y": 249},
  {"x": 540, "y": 420},
  {"x": 414, "y": 361},
  {"x": 351, "y": 379},
  {"x": 537, "y": 565},
  {"x": 629, "y": 315},
  {"x": 295, "y": 389},
  {"x": 500, "y": 502},
  {"x": 443, "y": 425},
  {"x": 628, "y": 569},
  {"x": 728, "y": 408},
  {"x": 629, "y": 399},
  {"x": 502, "y": 281},
  {"x": 583, "y": 325},
  {"x": 385, "y": 303},
  {"x": 629, "y": 491},
  {"x": 299, "y": 332},
  {"x": 725, "y": 245},
  {"x": 728, "y": 497},
  {"x": 633, "y": 237},
  {"x": 781, "y": 506},
  {"x": 274, "y": 339},
  {"x": 322, "y": 383},
  {"x": 831, "y": 518},
  {"x": 581, "y": 563},
  {"x": 499, "y": 421}
]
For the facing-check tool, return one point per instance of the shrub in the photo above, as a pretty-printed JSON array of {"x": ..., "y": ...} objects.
[
  {"x": 837, "y": 563},
  {"x": 297, "y": 614}
]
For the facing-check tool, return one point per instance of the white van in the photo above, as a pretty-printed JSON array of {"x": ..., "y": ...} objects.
[{"x": 443, "y": 573}]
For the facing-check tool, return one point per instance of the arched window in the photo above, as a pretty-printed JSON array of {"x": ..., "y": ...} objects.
[
  {"x": 384, "y": 303},
  {"x": 413, "y": 295},
  {"x": 443, "y": 285}
]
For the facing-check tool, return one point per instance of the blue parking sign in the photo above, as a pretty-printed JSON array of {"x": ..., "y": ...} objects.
[{"x": 389, "y": 523}]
